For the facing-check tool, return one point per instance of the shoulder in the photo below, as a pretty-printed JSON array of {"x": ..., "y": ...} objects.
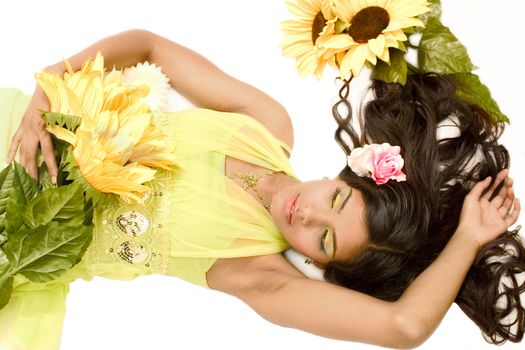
[
  {"x": 275, "y": 118},
  {"x": 260, "y": 273}
]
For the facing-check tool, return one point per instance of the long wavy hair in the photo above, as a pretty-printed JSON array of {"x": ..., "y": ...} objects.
[{"x": 409, "y": 223}]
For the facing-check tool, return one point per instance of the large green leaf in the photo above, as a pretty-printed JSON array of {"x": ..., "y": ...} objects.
[
  {"x": 441, "y": 52},
  {"x": 68, "y": 170},
  {"x": 58, "y": 203},
  {"x": 16, "y": 189},
  {"x": 435, "y": 11},
  {"x": 44, "y": 253},
  {"x": 6, "y": 288},
  {"x": 471, "y": 89},
  {"x": 4, "y": 262},
  {"x": 395, "y": 72},
  {"x": 44, "y": 180},
  {"x": 7, "y": 285}
]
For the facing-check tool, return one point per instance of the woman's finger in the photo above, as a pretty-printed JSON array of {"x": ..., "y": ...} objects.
[
  {"x": 15, "y": 142},
  {"x": 500, "y": 198},
  {"x": 478, "y": 188},
  {"x": 509, "y": 199},
  {"x": 28, "y": 152},
  {"x": 49, "y": 157},
  {"x": 513, "y": 217},
  {"x": 502, "y": 175}
]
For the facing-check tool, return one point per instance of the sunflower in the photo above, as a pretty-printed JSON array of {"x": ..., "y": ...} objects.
[
  {"x": 88, "y": 91},
  {"x": 315, "y": 24},
  {"x": 368, "y": 29},
  {"x": 117, "y": 144}
]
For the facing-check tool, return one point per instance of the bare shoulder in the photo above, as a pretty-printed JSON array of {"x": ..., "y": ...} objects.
[
  {"x": 236, "y": 276},
  {"x": 274, "y": 117}
]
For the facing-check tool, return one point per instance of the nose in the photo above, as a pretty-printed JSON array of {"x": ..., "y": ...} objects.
[{"x": 313, "y": 215}]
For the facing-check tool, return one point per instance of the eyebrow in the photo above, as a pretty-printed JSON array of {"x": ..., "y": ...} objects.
[{"x": 340, "y": 209}]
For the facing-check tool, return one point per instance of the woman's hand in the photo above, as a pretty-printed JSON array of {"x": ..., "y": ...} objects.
[
  {"x": 31, "y": 134},
  {"x": 484, "y": 218}
]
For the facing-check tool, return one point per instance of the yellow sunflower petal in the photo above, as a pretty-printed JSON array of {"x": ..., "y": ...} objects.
[
  {"x": 309, "y": 5},
  {"x": 297, "y": 50},
  {"x": 377, "y": 45},
  {"x": 353, "y": 61},
  {"x": 371, "y": 56},
  {"x": 345, "y": 10},
  {"x": 299, "y": 39},
  {"x": 326, "y": 9},
  {"x": 62, "y": 134},
  {"x": 385, "y": 56},
  {"x": 339, "y": 42},
  {"x": 390, "y": 40},
  {"x": 318, "y": 72},
  {"x": 298, "y": 11}
]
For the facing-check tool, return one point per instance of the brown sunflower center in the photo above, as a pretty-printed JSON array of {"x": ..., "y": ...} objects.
[
  {"x": 317, "y": 26},
  {"x": 368, "y": 24}
]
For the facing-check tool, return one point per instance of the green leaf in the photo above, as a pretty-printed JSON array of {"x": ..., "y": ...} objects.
[
  {"x": 6, "y": 288},
  {"x": 43, "y": 178},
  {"x": 471, "y": 89},
  {"x": 69, "y": 168},
  {"x": 4, "y": 262},
  {"x": 395, "y": 72},
  {"x": 68, "y": 172},
  {"x": 16, "y": 188},
  {"x": 441, "y": 52},
  {"x": 7, "y": 285},
  {"x": 435, "y": 11},
  {"x": 60, "y": 203},
  {"x": 44, "y": 253},
  {"x": 70, "y": 122}
]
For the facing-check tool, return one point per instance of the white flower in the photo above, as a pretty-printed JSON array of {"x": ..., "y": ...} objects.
[
  {"x": 151, "y": 76},
  {"x": 360, "y": 160}
]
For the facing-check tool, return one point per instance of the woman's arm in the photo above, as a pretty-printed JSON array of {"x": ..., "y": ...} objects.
[
  {"x": 192, "y": 75},
  {"x": 288, "y": 299}
]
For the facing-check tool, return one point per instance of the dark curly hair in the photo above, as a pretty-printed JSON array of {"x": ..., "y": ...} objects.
[{"x": 409, "y": 223}]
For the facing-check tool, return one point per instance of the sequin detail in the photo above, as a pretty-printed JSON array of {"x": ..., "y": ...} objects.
[
  {"x": 130, "y": 200},
  {"x": 133, "y": 223},
  {"x": 132, "y": 252},
  {"x": 136, "y": 236}
]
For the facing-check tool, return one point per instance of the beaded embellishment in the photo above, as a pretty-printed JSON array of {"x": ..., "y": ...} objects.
[
  {"x": 135, "y": 234},
  {"x": 133, "y": 223},
  {"x": 132, "y": 252}
]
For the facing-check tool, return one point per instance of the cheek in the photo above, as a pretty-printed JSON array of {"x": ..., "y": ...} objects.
[{"x": 301, "y": 241}]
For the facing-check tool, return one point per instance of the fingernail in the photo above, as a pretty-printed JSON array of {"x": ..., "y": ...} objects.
[{"x": 54, "y": 179}]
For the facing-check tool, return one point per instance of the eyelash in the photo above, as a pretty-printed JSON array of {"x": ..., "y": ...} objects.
[{"x": 321, "y": 243}]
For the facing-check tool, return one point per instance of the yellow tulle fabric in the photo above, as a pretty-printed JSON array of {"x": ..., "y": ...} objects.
[{"x": 193, "y": 216}]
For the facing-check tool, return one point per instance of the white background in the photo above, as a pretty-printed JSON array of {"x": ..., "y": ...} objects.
[{"x": 241, "y": 37}]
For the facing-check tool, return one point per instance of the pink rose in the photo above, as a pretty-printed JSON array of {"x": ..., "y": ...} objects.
[
  {"x": 387, "y": 164},
  {"x": 380, "y": 162}
]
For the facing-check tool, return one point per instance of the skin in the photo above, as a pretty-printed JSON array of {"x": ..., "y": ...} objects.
[
  {"x": 314, "y": 214},
  {"x": 269, "y": 284}
]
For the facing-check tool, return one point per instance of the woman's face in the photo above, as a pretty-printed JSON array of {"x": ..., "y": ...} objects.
[{"x": 322, "y": 219}]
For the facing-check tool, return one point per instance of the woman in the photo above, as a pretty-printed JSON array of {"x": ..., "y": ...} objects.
[{"x": 268, "y": 283}]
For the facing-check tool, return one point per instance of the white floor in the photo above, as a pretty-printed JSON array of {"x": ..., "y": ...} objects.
[{"x": 241, "y": 37}]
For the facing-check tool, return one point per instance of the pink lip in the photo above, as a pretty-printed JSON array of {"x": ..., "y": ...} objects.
[{"x": 290, "y": 206}]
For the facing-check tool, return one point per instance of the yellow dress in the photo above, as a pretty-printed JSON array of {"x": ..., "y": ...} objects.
[{"x": 193, "y": 216}]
